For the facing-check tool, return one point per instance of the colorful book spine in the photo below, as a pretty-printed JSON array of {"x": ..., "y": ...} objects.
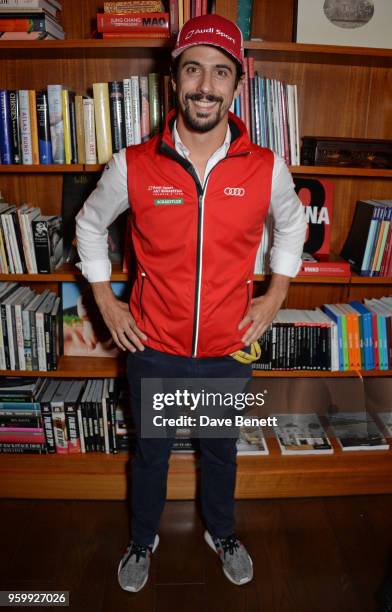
[
  {"x": 15, "y": 126},
  {"x": 6, "y": 152},
  {"x": 56, "y": 123},
  {"x": 102, "y": 122},
  {"x": 44, "y": 141},
  {"x": 25, "y": 126}
]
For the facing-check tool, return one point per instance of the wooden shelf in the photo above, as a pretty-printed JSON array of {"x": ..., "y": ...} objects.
[
  {"x": 296, "y": 170},
  {"x": 106, "y": 367},
  {"x": 269, "y": 51},
  {"x": 66, "y": 272},
  {"x": 318, "y": 54},
  {"x": 99, "y": 476},
  {"x": 338, "y": 171},
  {"x": 370, "y": 280}
]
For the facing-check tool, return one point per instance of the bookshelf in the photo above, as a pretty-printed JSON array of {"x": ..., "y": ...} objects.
[{"x": 342, "y": 93}]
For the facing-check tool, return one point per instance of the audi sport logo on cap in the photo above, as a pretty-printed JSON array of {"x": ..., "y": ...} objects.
[
  {"x": 211, "y": 30},
  {"x": 234, "y": 191}
]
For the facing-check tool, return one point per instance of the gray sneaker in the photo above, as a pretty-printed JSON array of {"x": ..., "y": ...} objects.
[
  {"x": 236, "y": 562},
  {"x": 134, "y": 566}
]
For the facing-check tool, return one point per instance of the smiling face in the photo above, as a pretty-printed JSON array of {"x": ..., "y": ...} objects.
[{"x": 205, "y": 85}]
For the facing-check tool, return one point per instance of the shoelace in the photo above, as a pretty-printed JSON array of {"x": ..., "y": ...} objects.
[
  {"x": 138, "y": 550},
  {"x": 230, "y": 544}
]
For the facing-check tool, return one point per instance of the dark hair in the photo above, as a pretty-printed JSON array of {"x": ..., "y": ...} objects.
[{"x": 239, "y": 72}]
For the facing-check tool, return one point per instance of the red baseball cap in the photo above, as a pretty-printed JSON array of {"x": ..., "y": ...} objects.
[{"x": 211, "y": 30}]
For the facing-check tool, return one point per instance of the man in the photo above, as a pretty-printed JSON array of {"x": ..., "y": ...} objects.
[{"x": 198, "y": 195}]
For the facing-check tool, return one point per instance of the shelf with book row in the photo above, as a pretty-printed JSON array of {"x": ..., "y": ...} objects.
[
  {"x": 296, "y": 170},
  {"x": 101, "y": 476},
  {"x": 100, "y": 367},
  {"x": 267, "y": 51}
]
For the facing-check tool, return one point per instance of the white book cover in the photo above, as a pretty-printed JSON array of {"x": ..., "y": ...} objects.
[
  {"x": 7, "y": 240},
  {"x": 135, "y": 102},
  {"x": 302, "y": 434},
  {"x": 10, "y": 334},
  {"x": 56, "y": 119},
  {"x": 28, "y": 218},
  {"x": 25, "y": 126},
  {"x": 89, "y": 131},
  {"x": 21, "y": 302},
  {"x": 13, "y": 242},
  {"x": 357, "y": 431},
  {"x": 128, "y": 123},
  {"x": 251, "y": 441}
]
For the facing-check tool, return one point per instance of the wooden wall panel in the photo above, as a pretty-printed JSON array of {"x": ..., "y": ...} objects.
[
  {"x": 359, "y": 292},
  {"x": 379, "y": 123},
  {"x": 43, "y": 190},
  {"x": 273, "y": 20},
  {"x": 311, "y": 296}
]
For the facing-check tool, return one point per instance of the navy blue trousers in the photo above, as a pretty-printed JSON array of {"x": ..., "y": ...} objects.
[{"x": 150, "y": 463}]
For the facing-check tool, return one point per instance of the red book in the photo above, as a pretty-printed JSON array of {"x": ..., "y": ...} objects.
[
  {"x": 204, "y": 7},
  {"x": 173, "y": 8},
  {"x": 325, "y": 268},
  {"x": 133, "y": 22}
]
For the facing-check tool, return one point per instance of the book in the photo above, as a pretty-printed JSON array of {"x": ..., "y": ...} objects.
[
  {"x": 116, "y": 102},
  {"x": 25, "y": 126},
  {"x": 76, "y": 189},
  {"x": 133, "y": 22},
  {"x": 84, "y": 331},
  {"x": 133, "y": 6},
  {"x": 333, "y": 266},
  {"x": 317, "y": 197},
  {"x": 357, "y": 431},
  {"x": 15, "y": 126},
  {"x": 43, "y": 121},
  {"x": 6, "y": 152},
  {"x": 89, "y": 131},
  {"x": 56, "y": 123},
  {"x": 50, "y": 6},
  {"x": 102, "y": 122},
  {"x": 302, "y": 434},
  {"x": 34, "y": 126},
  {"x": 48, "y": 242},
  {"x": 251, "y": 441}
]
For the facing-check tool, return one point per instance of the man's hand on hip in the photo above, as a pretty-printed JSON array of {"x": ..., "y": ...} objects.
[
  {"x": 118, "y": 319},
  {"x": 263, "y": 309}
]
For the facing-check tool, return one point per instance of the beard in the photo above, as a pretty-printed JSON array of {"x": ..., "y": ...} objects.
[{"x": 199, "y": 121}]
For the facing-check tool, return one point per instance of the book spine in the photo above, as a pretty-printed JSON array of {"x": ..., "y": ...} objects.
[
  {"x": 6, "y": 152},
  {"x": 72, "y": 428},
  {"x": 116, "y": 99},
  {"x": 133, "y": 22},
  {"x": 15, "y": 126},
  {"x": 154, "y": 102},
  {"x": 128, "y": 124},
  {"x": 139, "y": 6},
  {"x": 59, "y": 428},
  {"x": 41, "y": 349},
  {"x": 4, "y": 350},
  {"x": 144, "y": 109},
  {"x": 135, "y": 102},
  {"x": 41, "y": 246},
  {"x": 10, "y": 337},
  {"x": 19, "y": 336},
  {"x": 15, "y": 226},
  {"x": 56, "y": 123},
  {"x": 6, "y": 236},
  {"x": 102, "y": 122},
  {"x": 25, "y": 127},
  {"x": 48, "y": 427},
  {"x": 27, "y": 340},
  {"x": 79, "y": 116},
  {"x": 34, "y": 126},
  {"x": 67, "y": 125},
  {"x": 74, "y": 137},
  {"x": 44, "y": 141},
  {"x": 22, "y": 448},
  {"x": 173, "y": 12},
  {"x": 89, "y": 131}
]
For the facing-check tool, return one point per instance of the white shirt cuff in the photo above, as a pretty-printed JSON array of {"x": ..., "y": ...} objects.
[
  {"x": 96, "y": 271},
  {"x": 284, "y": 263}
]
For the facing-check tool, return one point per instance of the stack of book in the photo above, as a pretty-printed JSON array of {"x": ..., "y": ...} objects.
[
  {"x": 368, "y": 247},
  {"x": 133, "y": 19},
  {"x": 340, "y": 337},
  {"x": 21, "y": 424},
  {"x": 269, "y": 109},
  {"x": 29, "y": 328},
  {"x": 55, "y": 126},
  {"x": 47, "y": 415},
  {"x": 30, "y": 243},
  {"x": 30, "y": 20}
]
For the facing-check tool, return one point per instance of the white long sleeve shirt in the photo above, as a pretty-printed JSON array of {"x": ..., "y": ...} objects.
[{"x": 110, "y": 199}]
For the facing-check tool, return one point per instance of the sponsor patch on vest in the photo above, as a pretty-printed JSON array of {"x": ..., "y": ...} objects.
[{"x": 160, "y": 201}]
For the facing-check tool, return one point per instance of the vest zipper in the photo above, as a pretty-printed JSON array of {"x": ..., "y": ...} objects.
[
  {"x": 248, "y": 284},
  {"x": 172, "y": 153},
  {"x": 143, "y": 275}
]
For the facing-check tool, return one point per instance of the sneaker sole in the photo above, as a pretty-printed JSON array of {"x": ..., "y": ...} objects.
[
  {"x": 131, "y": 589},
  {"x": 211, "y": 544}
]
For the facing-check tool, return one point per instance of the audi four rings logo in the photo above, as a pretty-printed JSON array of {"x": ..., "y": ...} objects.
[{"x": 234, "y": 191}]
